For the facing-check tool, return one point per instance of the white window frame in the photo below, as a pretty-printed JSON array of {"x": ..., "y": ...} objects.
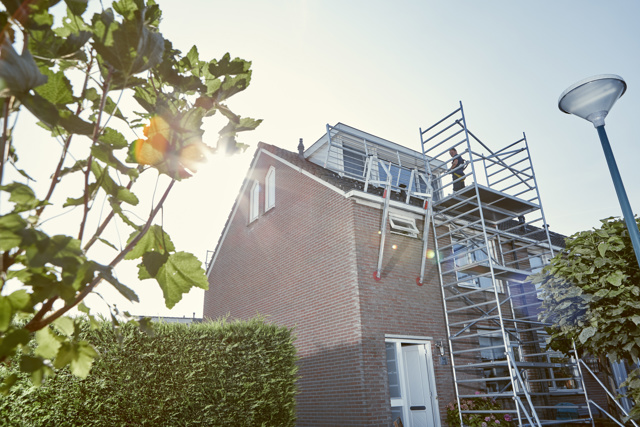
[
  {"x": 270, "y": 189},
  {"x": 403, "y": 225},
  {"x": 254, "y": 201}
]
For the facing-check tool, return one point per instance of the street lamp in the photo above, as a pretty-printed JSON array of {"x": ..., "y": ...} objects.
[{"x": 591, "y": 99}]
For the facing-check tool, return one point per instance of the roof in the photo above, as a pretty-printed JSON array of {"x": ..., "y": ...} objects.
[{"x": 348, "y": 184}]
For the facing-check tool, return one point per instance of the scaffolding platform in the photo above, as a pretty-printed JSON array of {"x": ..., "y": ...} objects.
[
  {"x": 501, "y": 272},
  {"x": 497, "y": 206}
]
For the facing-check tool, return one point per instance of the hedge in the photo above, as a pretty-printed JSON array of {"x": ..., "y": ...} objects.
[{"x": 209, "y": 374}]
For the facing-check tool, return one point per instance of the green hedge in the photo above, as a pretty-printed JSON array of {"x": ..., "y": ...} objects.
[{"x": 209, "y": 374}]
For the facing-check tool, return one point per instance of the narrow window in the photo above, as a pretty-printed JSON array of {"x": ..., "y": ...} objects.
[
  {"x": 254, "y": 201},
  {"x": 270, "y": 189}
]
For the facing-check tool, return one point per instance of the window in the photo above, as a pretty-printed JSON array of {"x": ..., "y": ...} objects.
[
  {"x": 353, "y": 160},
  {"x": 254, "y": 201},
  {"x": 403, "y": 225},
  {"x": 464, "y": 255},
  {"x": 270, "y": 189},
  {"x": 536, "y": 263},
  {"x": 492, "y": 348},
  {"x": 564, "y": 375}
]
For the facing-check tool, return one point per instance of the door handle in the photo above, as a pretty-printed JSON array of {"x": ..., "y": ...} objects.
[{"x": 418, "y": 408}]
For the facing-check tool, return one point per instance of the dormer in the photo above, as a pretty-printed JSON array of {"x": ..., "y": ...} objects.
[{"x": 377, "y": 162}]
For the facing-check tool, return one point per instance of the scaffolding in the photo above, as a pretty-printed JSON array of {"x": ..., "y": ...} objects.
[{"x": 490, "y": 235}]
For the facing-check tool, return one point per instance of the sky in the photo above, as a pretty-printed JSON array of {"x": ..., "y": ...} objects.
[{"x": 390, "y": 68}]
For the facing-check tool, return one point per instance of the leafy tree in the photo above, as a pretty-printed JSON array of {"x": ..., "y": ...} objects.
[
  {"x": 75, "y": 78},
  {"x": 591, "y": 295}
]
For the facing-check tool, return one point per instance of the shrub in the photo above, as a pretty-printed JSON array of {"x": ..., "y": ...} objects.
[
  {"x": 209, "y": 374},
  {"x": 478, "y": 420}
]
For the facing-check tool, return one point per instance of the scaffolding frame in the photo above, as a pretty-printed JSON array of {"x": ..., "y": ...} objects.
[{"x": 490, "y": 236}]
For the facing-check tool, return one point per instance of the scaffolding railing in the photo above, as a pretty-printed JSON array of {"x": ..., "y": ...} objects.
[{"x": 375, "y": 162}]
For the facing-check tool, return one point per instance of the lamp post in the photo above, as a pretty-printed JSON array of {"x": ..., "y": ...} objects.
[{"x": 591, "y": 99}]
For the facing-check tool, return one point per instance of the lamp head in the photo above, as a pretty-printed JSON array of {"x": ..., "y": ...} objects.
[{"x": 593, "y": 97}]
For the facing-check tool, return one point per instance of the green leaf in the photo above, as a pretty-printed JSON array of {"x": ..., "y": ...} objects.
[
  {"x": 616, "y": 278},
  {"x": 11, "y": 226},
  {"x": 155, "y": 239},
  {"x": 19, "y": 299},
  {"x": 77, "y": 7},
  {"x": 57, "y": 90},
  {"x": 130, "y": 47},
  {"x": 65, "y": 325},
  {"x": 126, "y": 292},
  {"x": 106, "y": 242},
  {"x": 126, "y": 196},
  {"x": 104, "y": 152},
  {"x": 10, "y": 342},
  {"x": 113, "y": 138},
  {"x": 19, "y": 72},
  {"x": 22, "y": 195},
  {"x": 602, "y": 248},
  {"x": 586, "y": 334},
  {"x": 52, "y": 116},
  {"x": 78, "y": 355},
  {"x": 5, "y": 313},
  {"x": 151, "y": 263},
  {"x": 227, "y": 66},
  {"x": 48, "y": 343},
  {"x": 178, "y": 275},
  {"x": 111, "y": 108},
  {"x": 30, "y": 363},
  {"x": 636, "y": 319}
]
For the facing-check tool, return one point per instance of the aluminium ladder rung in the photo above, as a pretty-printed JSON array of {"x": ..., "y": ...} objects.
[
  {"x": 547, "y": 380},
  {"x": 467, "y": 307},
  {"x": 471, "y": 350},
  {"x": 464, "y": 294},
  {"x": 475, "y": 320},
  {"x": 477, "y": 380}
]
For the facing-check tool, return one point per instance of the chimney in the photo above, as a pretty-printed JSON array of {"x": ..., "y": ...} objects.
[{"x": 301, "y": 149}]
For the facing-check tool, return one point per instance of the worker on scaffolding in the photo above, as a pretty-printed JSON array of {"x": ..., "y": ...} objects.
[{"x": 457, "y": 170}]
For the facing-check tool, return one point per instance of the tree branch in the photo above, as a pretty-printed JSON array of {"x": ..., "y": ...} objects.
[
  {"x": 39, "y": 324},
  {"x": 104, "y": 224},
  {"x": 65, "y": 149},
  {"x": 96, "y": 134},
  {"x": 4, "y": 146}
]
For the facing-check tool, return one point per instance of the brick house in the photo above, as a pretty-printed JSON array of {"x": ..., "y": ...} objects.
[{"x": 405, "y": 294}]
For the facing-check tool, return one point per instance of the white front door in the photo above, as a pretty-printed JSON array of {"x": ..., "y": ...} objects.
[{"x": 414, "y": 394}]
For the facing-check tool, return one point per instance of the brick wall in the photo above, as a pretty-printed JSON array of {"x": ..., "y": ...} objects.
[
  {"x": 309, "y": 263},
  {"x": 396, "y": 305},
  {"x": 296, "y": 265}
]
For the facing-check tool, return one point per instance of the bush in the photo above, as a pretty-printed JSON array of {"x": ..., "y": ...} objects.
[
  {"x": 209, "y": 374},
  {"x": 478, "y": 420}
]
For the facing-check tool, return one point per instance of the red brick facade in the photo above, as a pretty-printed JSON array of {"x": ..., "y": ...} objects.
[{"x": 308, "y": 263}]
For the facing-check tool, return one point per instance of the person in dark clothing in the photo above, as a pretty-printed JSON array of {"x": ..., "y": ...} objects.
[{"x": 457, "y": 170}]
